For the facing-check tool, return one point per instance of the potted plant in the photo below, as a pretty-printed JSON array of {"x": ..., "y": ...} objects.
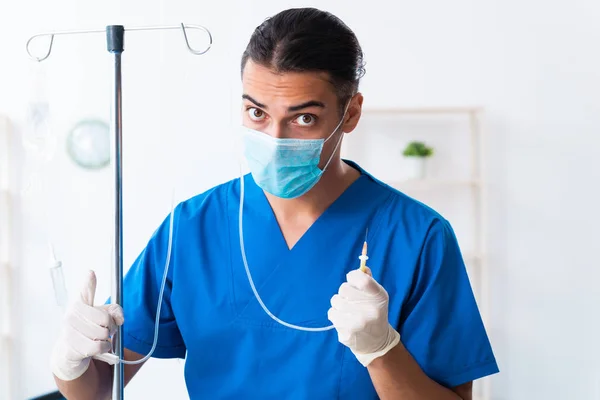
[{"x": 415, "y": 155}]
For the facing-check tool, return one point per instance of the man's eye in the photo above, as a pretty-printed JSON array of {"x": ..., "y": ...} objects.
[
  {"x": 256, "y": 114},
  {"x": 306, "y": 120}
]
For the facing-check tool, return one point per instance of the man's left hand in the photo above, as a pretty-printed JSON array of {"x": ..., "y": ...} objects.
[{"x": 359, "y": 313}]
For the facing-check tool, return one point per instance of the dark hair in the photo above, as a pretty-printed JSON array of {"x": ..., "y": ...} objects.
[{"x": 309, "y": 40}]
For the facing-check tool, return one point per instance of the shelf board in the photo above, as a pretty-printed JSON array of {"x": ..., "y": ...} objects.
[
  {"x": 422, "y": 110},
  {"x": 428, "y": 184}
]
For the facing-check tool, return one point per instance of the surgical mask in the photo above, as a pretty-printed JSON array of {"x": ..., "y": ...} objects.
[{"x": 286, "y": 168}]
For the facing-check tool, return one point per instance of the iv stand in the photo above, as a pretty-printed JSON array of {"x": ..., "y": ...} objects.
[{"x": 115, "y": 45}]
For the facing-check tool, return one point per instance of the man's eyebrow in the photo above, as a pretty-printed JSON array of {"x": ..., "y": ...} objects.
[
  {"x": 298, "y": 107},
  {"x": 256, "y": 103},
  {"x": 311, "y": 103}
]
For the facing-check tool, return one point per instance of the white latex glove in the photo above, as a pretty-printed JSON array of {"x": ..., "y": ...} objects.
[
  {"x": 359, "y": 313},
  {"x": 86, "y": 332}
]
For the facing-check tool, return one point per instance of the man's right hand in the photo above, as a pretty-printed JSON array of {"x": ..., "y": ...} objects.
[{"x": 86, "y": 332}]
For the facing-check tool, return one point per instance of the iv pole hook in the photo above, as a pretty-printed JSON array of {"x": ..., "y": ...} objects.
[
  {"x": 40, "y": 59},
  {"x": 184, "y": 28}
]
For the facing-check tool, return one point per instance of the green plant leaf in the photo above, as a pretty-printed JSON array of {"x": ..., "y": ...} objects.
[{"x": 417, "y": 149}]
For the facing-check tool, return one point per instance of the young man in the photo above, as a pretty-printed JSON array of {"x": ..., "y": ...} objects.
[{"x": 407, "y": 328}]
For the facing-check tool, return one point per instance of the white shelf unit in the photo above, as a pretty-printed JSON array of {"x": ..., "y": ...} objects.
[
  {"x": 426, "y": 184},
  {"x": 475, "y": 257},
  {"x": 6, "y": 270}
]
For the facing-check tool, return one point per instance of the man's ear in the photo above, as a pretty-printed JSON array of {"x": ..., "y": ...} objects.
[{"x": 353, "y": 114}]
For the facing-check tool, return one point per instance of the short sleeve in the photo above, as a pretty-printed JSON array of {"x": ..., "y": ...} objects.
[
  {"x": 441, "y": 326},
  {"x": 141, "y": 288}
]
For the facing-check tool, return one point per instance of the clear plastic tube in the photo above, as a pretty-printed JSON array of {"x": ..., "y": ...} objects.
[
  {"x": 112, "y": 358},
  {"x": 262, "y": 304},
  {"x": 161, "y": 293},
  {"x": 58, "y": 283},
  {"x": 58, "y": 279}
]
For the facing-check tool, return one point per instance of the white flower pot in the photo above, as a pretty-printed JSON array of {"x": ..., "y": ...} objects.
[{"x": 414, "y": 167}]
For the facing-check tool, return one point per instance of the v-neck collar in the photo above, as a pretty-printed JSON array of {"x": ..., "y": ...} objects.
[{"x": 271, "y": 220}]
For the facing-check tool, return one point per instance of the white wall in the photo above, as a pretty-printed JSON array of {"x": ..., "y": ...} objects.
[
  {"x": 542, "y": 90},
  {"x": 531, "y": 64}
]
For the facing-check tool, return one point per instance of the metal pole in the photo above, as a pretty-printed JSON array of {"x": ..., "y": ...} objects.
[{"x": 114, "y": 38}]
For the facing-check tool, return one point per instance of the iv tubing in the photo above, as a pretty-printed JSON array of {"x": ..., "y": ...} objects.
[
  {"x": 262, "y": 304},
  {"x": 112, "y": 358}
]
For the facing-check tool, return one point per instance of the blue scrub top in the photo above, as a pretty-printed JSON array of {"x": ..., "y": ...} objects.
[{"x": 236, "y": 351}]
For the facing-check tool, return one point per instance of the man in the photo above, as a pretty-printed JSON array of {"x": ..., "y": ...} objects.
[{"x": 251, "y": 303}]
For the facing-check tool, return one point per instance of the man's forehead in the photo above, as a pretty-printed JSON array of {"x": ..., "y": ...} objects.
[{"x": 259, "y": 81}]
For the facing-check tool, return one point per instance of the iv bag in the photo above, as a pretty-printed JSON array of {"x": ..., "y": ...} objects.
[{"x": 37, "y": 139}]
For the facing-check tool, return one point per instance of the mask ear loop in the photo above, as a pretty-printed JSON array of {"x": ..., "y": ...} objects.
[
  {"x": 339, "y": 124},
  {"x": 333, "y": 152},
  {"x": 339, "y": 140}
]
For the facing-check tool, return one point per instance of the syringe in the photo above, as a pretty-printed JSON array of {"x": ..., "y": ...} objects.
[{"x": 363, "y": 256}]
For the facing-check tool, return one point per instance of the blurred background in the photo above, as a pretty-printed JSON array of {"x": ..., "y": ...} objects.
[{"x": 505, "y": 93}]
